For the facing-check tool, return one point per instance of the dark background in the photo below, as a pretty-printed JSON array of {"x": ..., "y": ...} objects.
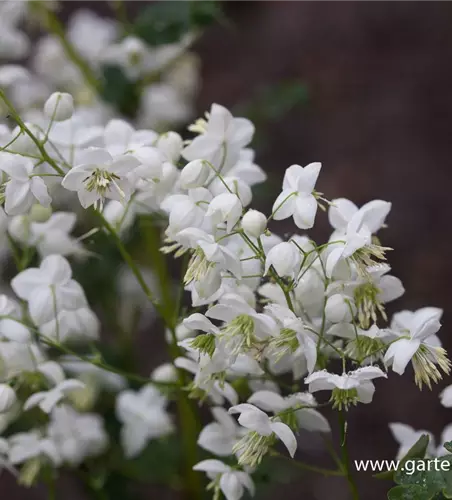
[{"x": 378, "y": 116}]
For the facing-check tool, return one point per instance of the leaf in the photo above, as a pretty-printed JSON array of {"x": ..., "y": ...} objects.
[
  {"x": 416, "y": 451},
  {"x": 167, "y": 22},
  {"x": 412, "y": 492},
  {"x": 448, "y": 446},
  {"x": 118, "y": 90}
]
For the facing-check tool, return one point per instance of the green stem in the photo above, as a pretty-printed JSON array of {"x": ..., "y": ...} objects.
[
  {"x": 15, "y": 115},
  {"x": 188, "y": 421},
  {"x": 54, "y": 26},
  {"x": 345, "y": 457},
  {"x": 308, "y": 467}
]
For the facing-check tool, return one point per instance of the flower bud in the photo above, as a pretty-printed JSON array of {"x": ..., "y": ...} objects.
[
  {"x": 59, "y": 106},
  {"x": 7, "y": 398},
  {"x": 339, "y": 309},
  {"x": 254, "y": 223},
  {"x": 194, "y": 174},
  {"x": 171, "y": 145},
  {"x": 285, "y": 258}
]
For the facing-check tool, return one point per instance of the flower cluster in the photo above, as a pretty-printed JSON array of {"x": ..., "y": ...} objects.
[{"x": 266, "y": 321}]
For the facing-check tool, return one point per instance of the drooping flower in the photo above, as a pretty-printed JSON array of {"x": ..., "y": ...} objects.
[{"x": 296, "y": 198}]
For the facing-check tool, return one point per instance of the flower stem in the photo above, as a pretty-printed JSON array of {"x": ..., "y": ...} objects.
[
  {"x": 15, "y": 115},
  {"x": 54, "y": 26},
  {"x": 345, "y": 457},
  {"x": 308, "y": 467}
]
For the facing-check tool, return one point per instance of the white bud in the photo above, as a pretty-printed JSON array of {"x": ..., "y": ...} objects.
[
  {"x": 194, "y": 174},
  {"x": 285, "y": 258},
  {"x": 7, "y": 398},
  {"x": 227, "y": 208},
  {"x": 164, "y": 373},
  {"x": 59, "y": 106},
  {"x": 339, "y": 309},
  {"x": 254, "y": 223},
  {"x": 171, "y": 144}
]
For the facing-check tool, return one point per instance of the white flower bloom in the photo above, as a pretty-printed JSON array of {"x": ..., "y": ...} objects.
[
  {"x": 91, "y": 34},
  {"x": 49, "y": 289},
  {"x": 194, "y": 174},
  {"x": 406, "y": 437},
  {"x": 221, "y": 138},
  {"x": 47, "y": 400},
  {"x": 227, "y": 208},
  {"x": 348, "y": 388},
  {"x": 254, "y": 223},
  {"x": 144, "y": 417},
  {"x": 339, "y": 308},
  {"x": 18, "y": 357},
  {"x": 303, "y": 405},
  {"x": 76, "y": 325},
  {"x": 342, "y": 211},
  {"x": 27, "y": 445},
  {"x": 22, "y": 189},
  {"x": 10, "y": 328},
  {"x": 446, "y": 397},
  {"x": 121, "y": 138},
  {"x": 98, "y": 176},
  {"x": 418, "y": 342},
  {"x": 252, "y": 447},
  {"x": 285, "y": 258},
  {"x": 232, "y": 483},
  {"x": 219, "y": 437},
  {"x": 14, "y": 44},
  {"x": 76, "y": 436},
  {"x": 296, "y": 198},
  {"x": 7, "y": 398},
  {"x": 59, "y": 106}
]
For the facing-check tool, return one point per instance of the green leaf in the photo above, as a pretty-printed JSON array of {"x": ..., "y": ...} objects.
[
  {"x": 416, "y": 451},
  {"x": 118, "y": 90},
  {"x": 167, "y": 22},
  {"x": 448, "y": 446},
  {"x": 412, "y": 492}
]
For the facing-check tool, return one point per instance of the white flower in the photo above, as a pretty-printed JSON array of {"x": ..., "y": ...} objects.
[
  {"x": 76, "y": 436},
  {"x": 49, "y": 289},
  {"x": 285, "y": 258},
  {"x": 18, "y": 357},
  {"x": 232, "y": 483},
  {"x": 27, "y": 445},
  {"x": 53, "y": 235},
  {"x": 296, "y": 198},
  {"x": 14, "y": 43},
  {"x": 342, "y": 211},
  {"x": 22, "y": 189},
  {"x": 303, "y": 405},
  {"x": 143, "y": 416},
  {"x": 7, "y": 398},
  {"x": 261, "y": 424},
  {"x": 254, "y": 223},
  {"x": 59, "y": 106},
  {"x": 348, "y": 388},
  {"x": 219, "y": 437},
  {"x": 221, "y": 138},
  {"x": 47, "y": 400},
  {"x": 225, "y": 207},
  {"x": 406, "y": 437},
  {"x": 78, "y": 324},
  {"x": 10, "y": 328},
  {"x": 91, "y": 34},
  {"x": 418, "y": 342},
  {"x": 446, "y": 397},
  {"x": 339, "y": 308},
  {"x": 194, "y": 174},
  {"x": 98, "y": 176},
  {"x": 121, "y": 138}
]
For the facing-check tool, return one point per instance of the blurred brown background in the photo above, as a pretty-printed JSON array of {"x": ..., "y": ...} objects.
[{"x": 378, "y": 116}]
